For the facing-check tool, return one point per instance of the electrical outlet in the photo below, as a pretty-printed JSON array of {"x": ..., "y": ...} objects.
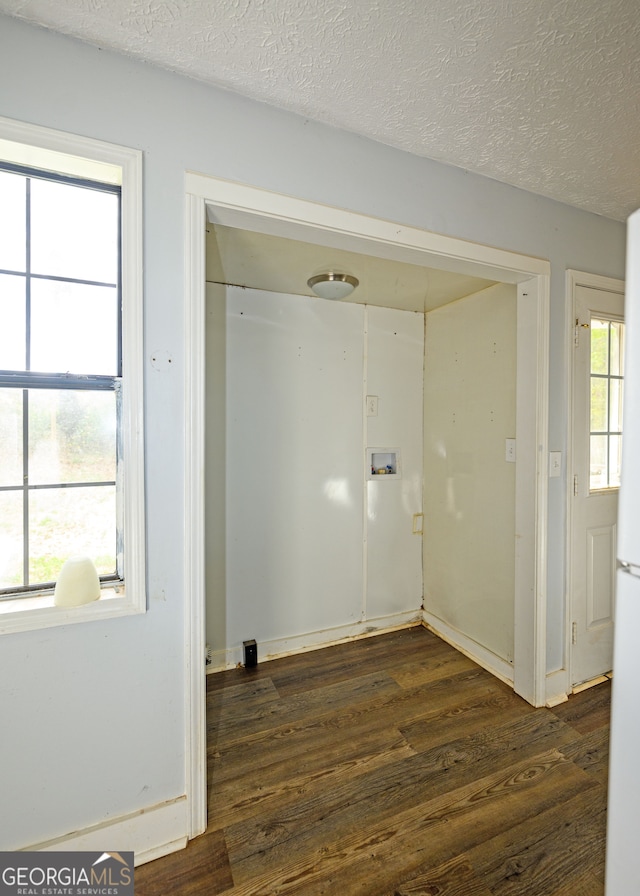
[
  {"x": 372, "y": 405},
  {"x": 510, "y": 451},
  {"x": 555, "y": 464}
]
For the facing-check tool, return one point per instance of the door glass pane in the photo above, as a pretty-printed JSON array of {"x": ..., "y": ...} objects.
[
  {"x": 73, "y": 328},
  {"x": 615, "y": 460},
  {"x": 74, "y": 232},
  {"x": 67, "y": 522},
  {"x": 599, "y": 346},
  {"x": 13, "y": 216},
  {"x": 11, "y": 472},
  {"x": 72, "y": 436},
  {"x": 598, "y": 465},
  {"x": 615, "y": 405},
  {"x": 617, "y": 348},
  {"x": 606, "y": 394},
  {"x": 13, "y": 346},
  {"x": 11, "y": 540},
  {"x": 599, "y": 404}
]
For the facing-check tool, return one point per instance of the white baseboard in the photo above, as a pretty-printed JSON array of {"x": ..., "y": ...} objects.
[
  {"x": 476, "y": 652},
  {"x": 217, "y": 661},
  {"x": 271, "y": 650},
  {"x": 149, "y": 833}
]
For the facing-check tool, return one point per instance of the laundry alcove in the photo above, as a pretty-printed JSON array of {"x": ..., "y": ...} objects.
[{"x": 303, "y": 548}]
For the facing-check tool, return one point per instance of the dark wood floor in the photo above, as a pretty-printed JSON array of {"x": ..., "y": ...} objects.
[{"x": 394, "y": 766}]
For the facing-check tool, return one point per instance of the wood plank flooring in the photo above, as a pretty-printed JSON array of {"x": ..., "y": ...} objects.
[{"x": 394, "y": 766}]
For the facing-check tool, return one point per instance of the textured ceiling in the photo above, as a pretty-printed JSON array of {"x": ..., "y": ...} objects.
[{"x": 542, "y": 94}]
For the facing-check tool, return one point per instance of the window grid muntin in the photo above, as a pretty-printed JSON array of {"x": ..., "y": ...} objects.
[
  {"x": 58, "y": 278},
  {"x": 27, "y": 379},
  {"x": 608, "y": 377}
]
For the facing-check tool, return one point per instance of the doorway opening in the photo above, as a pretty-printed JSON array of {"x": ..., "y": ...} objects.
[{"x": 255, "y": 210}]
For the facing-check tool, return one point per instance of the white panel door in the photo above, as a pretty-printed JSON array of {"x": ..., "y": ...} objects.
[{"x": 596, "y": 451}]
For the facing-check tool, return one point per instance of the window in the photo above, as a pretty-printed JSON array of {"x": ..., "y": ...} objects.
[
  {"x": 607, "y": 384},
  {"x": 71, "y": 441}
]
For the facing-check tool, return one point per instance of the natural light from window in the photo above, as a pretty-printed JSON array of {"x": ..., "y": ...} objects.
[
  {"x": 607, "y": 386},
  {"x": 59, "y": 377}
]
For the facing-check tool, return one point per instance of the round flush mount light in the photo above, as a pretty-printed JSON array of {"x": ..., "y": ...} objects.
[{"x": 332, "y": 286}]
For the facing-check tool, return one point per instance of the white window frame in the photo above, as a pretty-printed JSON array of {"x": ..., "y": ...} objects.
[{"x": 40, "y": 147}]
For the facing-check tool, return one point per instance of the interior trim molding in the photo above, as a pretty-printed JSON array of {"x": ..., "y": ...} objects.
[
  {"x": 470, "y": 648},
  {"x": 150, "y": 833},
  {"x": 279, "y": 647},
  {"x": 558, "y": 687},
  {"x": 194, "y": 489}
]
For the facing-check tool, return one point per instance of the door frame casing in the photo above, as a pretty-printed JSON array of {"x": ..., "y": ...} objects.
[
  {"x": 242, "y": 205},
  {"x": 575, "y": 279}
]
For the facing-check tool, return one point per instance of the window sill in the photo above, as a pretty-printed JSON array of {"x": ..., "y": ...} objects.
[{"x": 37, "y": 612}]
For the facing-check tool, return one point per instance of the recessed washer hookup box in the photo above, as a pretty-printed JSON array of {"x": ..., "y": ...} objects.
[{"x": 383, "y": 463}]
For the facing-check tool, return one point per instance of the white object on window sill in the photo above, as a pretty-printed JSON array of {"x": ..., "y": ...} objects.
[{"x": 78, "y": 583}]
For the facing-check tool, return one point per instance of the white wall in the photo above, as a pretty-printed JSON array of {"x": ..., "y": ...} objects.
[
  {"x": 93, "y": 716},
  {"x": 294, "y": 466},
  {"x": 469, "y": 488},
  {"x": 395, "y": 350},
  {"x": 305, "y": 556}
]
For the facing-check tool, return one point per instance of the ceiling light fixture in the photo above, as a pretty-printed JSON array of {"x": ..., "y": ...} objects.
[{"x": 332, "y": 286}]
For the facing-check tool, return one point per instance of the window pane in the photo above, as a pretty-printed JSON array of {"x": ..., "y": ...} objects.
[
  {"x": 617, "y": 348},
  {"x": 73, "y": 328},
  {"x": 72, "y": 436},
  {"x": 598, "y": 462},
  {"x": 66, "y": 522},
  {"x": 615, "y": 460},
  {"x": 13, "y": 346},
  {"x": 11, "y": 540},
  {"x": 74, "y": 232},
  {"x": 615, "y": 405},
  {"x": 11, "y": 472},
  {"x": 13, "y": 238},
  {"x": 599, "y": 346},
  {"x": 598, "y": 404}
]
